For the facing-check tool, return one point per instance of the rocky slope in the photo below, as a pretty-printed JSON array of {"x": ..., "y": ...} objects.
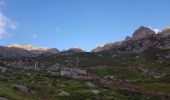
[
  {"x": 142, "y": 32},
  {"x": 75, "y": 50},
  {"x": 17, "y": 50},
  {"x": 107, "y": 46},
  {"x": 142, "y": 39},
  {"x": 35, "y": 50},
  {"x": 13, "y": 52}
]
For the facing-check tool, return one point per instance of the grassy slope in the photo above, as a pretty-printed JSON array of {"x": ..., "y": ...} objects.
[
  {"x": 124, "y": 66},
  {"x": 45, "y": 87}
]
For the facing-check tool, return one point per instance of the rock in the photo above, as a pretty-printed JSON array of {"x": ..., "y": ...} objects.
[
  {"x": 165, "y": 32},
  {"x": 29, "y": 74},
  {"x": 2, "y": 98},
  {"x": 107, "y": 46},
  {"x": 167, "y": 56},
  {"x": 143, "y": 32},
  {"x": 89, "y": 84},
  {"x": 95, "y": 91},
  {"x": 63, "y": 93},
  {"x": 127, "y": 38},
  {"x": 76, "y": 50},
  {"x": 55, "y": 67},
  {"x": 151, "y": 73},
  {"x": 3, "y": 69},
  {"x": 110, "y": 77},
  {"x": 62, "y": 85},
  {"x": 13, "y": 52},
  {"x": 79, "y": 71},
  {"x": 156, "y": 76},
  {"x": 142, "y": 39},
  {"x": 72, "y": 72},
  {"x": 34, "y": 50},
  {"x": 21, "y": 88},
  {"x": 52, "y": 73}
]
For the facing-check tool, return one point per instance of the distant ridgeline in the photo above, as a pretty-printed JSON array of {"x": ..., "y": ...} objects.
[{"x": 144, "y": 45}]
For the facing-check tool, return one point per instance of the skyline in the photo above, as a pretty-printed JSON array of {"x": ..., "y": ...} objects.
[{"x": 63, "y": 24}]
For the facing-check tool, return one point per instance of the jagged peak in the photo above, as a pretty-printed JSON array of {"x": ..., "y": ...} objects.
[{"x": 142, "y": 32}]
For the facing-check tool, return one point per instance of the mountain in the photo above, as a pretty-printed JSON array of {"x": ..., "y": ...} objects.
[
  {"x": 165, "y": 32},
  {"x": 137, "y": 68},
  {"x": 13, "y": 52},
  {"x": 143, "y": 32},
  {"x": 106, "y": 46},
  {"x": 142, "y": 39},
  {"x": 17, "y": 50},
  {"x": 33, "y": 49},
  {"x": 75, "y": 50}
]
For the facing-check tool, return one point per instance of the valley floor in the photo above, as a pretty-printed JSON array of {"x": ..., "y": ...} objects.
[{"x": 20, "y": 84}]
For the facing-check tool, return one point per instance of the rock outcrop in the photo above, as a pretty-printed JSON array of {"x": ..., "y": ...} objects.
[
  {"x": 76, "y": 50},
  {"x": 107, "y": 46},
  {"x": 13, "y": 52},
  {"x": 17, "y": 50},
  {"x": 165, "y": 32},
  {"x": 63, "y": 93},
  {"x": 143, "y": 32},
  {"x": 34, "y": 50},
  {"x": 3, "y": 69},
  {"x": 3, "y": 98},
  {"x": 21, "y": 88}
]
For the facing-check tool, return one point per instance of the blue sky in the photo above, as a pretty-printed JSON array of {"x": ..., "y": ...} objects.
[{"x": 77, "y": 23}]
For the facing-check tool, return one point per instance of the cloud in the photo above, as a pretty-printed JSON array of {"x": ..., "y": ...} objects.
[
  {"x": 35, "y": 35},
  {"x": 156, "y": 30},
  {"x": 6, "y": 23}
]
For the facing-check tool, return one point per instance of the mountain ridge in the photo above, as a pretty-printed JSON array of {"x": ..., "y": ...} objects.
[
  {"x": 142, "y": 33},
  {"x": 141, "y": 39}
]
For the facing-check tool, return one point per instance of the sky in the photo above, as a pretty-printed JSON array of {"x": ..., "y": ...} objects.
[{"x": 77, "y": 23}]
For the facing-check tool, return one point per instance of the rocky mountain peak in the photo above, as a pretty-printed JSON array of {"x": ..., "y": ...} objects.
[{"x": 143, "y": 32}]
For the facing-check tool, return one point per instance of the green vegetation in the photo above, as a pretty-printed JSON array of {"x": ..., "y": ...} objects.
[
  {"x": 148, "y": 71},
  {"x": 43, "y": 86}
]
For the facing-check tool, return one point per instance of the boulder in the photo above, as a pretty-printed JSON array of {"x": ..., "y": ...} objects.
[
  {"x": 21, "y": 88},
  {"x": 2, "y": 98},
  {"x": 3, "y": 69},
  {"x": 89, "y": 84},
  {"x": 95, "y": 91},
  {"x": 63, "y": 93}
]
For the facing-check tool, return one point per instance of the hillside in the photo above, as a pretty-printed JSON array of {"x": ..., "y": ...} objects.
[{"x": 137, "y": 68}]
